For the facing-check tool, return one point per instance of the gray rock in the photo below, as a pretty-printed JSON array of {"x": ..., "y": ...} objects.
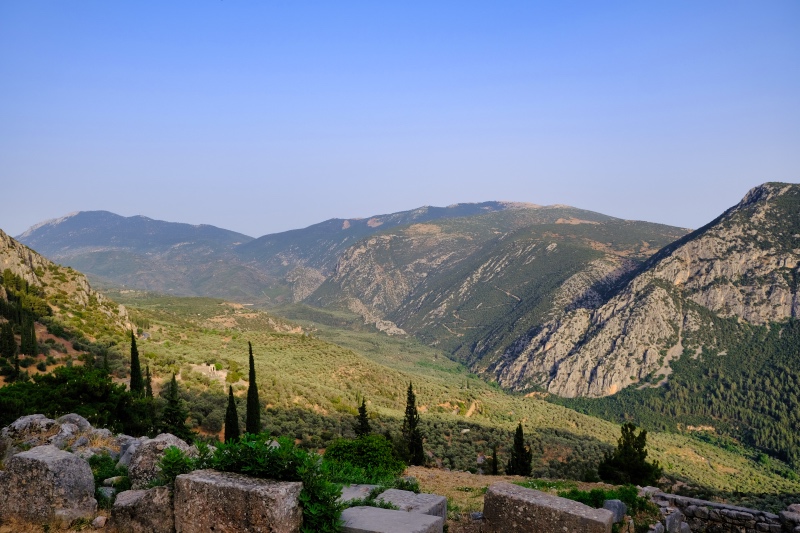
[
  {"x": 82, "y": 424},
  {"x": 99, "y": 522},
  {"x": 102, "y": 433},
  {"x": 673, "y": 522},
  {"x": 45, "y": 484},
  {"x": 477, "y": 515},
  {"x": 356, "y": 492},
  {"x": 509, "y": 508},
  {"x": 128, "y": 449},
  {"x": 430, "y": 504},
  {"x": 375, "y": 520},
  {"x": 788, "y": 517},
  {"x": 143, "y": 468},
  {"x": 113, "y": 481},
  {"x": 618, "y": 508},
  {"x": 207, "y": 500},
  {"x": 143, "y": 511},
  {"x": 28, "y": 424},
  {"x": 79, "y": 443},
  {"x": 794, "y": 508},
  {"x": 658, "y": 528},
  {"x": 66, "y": 433},
  {"x": 108, "y": 492},
  {"x": 685, "y": 528}
]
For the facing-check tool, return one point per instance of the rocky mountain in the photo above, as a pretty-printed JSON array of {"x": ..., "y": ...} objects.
[
  {"x": 744, "y": 265},
  {"x": 469, "y": 285},
  {"x": 68, "y": 295}
]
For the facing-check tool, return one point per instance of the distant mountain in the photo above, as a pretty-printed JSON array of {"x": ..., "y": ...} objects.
[
  {"x": 743, "y": 265},
  {"x": 143, "y": 253}
]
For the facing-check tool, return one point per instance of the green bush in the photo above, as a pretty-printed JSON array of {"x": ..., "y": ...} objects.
[
  {"x": 641, "y": 509},
  {"x": 103, "y": 467},
  {"x": 374, "y": 453}
]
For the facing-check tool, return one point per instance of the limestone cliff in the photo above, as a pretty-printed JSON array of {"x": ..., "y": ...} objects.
[{"x": 743, "y": 264}]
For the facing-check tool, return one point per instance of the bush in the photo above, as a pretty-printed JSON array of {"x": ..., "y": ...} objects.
[
  {"x": 628, "y": 463},
  {"x": 372, "y": 452},
  {"x": 104, "y": 467}
]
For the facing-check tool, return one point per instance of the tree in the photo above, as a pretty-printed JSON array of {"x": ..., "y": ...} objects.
[
  {"x": 173, "y": 419},
  {"x": 362, "y": 428},
  {"x": 137, "y": 383},
  {"x": 253, "y": 417},
  {"x": 8, "y": 343},
  {"x": 231, "y": 418},
  {"x": 148, "y": 383},
  {"x": 412, "y": 438},
  {"x": 628, "y": 462},
  {"x": 495, "y": 464},
  {"x": 28, "y": 344},
  {"x": 521, "y": 455}
]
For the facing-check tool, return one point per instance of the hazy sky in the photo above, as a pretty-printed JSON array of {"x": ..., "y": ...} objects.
[{"x": 264, "y": 116}]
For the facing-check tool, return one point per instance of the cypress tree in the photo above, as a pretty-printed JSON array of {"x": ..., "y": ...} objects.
[
  {"x": 231, "y": 418},
  {"x": 173, "y": 418},
  {"x": 28, "y": 337},
  {"x": 148, "y": 383},
  {"x": 253, "y": 417},
  {"x": 495, "y": 464},
  {"x": 362, "y": 428},
  {"x": 411, "y": 434},
  {"x": 137, "y": 382},
  {"x": 8, "y": 343},
  {"x": 521, "y": 455}
]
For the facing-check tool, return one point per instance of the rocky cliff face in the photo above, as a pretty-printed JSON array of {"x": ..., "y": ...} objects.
[
  {"x": 744, "y": 264},
  {"x": 68, "y": 292}
]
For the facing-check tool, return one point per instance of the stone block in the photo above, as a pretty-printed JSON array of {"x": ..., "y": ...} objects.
[
  {"x": 45, "y": 484},
  {"x": 788, "y": 517},
  {"x": 618, "y": 508},
  {"x": 673, "y": 521},
  {"x": 405, "y": 500},
  {"x": 356, "y": 492},
  {"x": 143, "y": 511},
  {"x": 510, "y": 508},
  {"x": 376, "y": 520},
  {"x": 207, "y": 500},
  {"x": 143, "y": 467}
]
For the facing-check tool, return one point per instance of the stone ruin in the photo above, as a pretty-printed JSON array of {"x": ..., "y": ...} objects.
[{"x": 46, "y": 479}]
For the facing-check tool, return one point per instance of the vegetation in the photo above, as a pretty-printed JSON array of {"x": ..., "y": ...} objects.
[
  {"x": 373, "y": 455},
  {"x": 362, "y": 427},
  {"x": 173, "y": 418},
  {"x": 253, "y": 405},
  {"x": 628, "y": 462},
  {"x": 231, "y": 418},
  {"x": 137, "y": 382},
  {"x": 640, "y": 509}
]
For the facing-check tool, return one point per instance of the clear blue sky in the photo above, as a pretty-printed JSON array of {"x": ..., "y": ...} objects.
[{"x": 266, "y": 116}]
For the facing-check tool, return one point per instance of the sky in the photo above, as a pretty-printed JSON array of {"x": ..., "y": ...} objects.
[{"x": 264, "y": 116}]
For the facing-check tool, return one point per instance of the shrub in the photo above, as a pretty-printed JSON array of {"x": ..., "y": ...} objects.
[
  {"x": 628, "y": 463},
  {"x": 372, "y": 452}
]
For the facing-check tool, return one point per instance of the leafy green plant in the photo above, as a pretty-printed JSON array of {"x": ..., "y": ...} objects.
[
  {"x": 374, "y": 453},
  {"x": 103, "y": 467}
]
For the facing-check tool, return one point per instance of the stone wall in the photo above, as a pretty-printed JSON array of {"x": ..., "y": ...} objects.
[{"x": 711, "y": 517}]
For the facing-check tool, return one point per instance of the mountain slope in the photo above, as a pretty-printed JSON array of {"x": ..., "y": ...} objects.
[{"x": 744, "y": 265}]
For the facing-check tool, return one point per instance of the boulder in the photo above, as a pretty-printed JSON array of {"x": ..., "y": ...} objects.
[
  {"x": 143, "y": 468},
  {"x": 618, "y": 508},
  {"x": 67, "y": 432},
  {"x": 45, "y": 485},
  {"x": 405, "y": 500},
  {"x": 208, "y": 500},
  {"x": 82, "y": 424},
  {"x": 143, "y": 511},
  {"x": 509, "y": 508},
  {"x": 376, "y": 520},
  {"x": 673, "y": 521},
  {"x": 128, "y": 447}
]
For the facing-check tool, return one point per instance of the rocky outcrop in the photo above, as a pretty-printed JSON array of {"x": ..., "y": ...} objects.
[
  {"x": 207, "y": 500},
  {"x": 46, "y": 485},
  {"x": 744, "y": 264},
  {"x": 509, "y": 508},
  {"x": 143, "y": 511},
  {"x": 143, "y": 468}
]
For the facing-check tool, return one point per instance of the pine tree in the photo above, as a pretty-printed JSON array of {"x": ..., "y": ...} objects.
[
  {"x": 628, "y": 463},
  {"x": 8, "y": 343},
  {"x": 521, "y": 456},
  {"x": 28, "y": 337},
  {"x": 173, "y": 419},
  {"x": 495, "y": 464},
  {"x": 231, "y": 418},
  {"x": 148, "y": 383},
  {"x": 253, "y": 416},
  {"x": 362, "y": 428},
  {"x": 137, "y": 383},
  {"x": 412, "y": 437}
]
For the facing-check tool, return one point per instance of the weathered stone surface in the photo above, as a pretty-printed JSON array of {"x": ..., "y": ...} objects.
[
  {"x": 673, "y": 521},
  {"x": 617, "y": 507},
  {"x": 72, "y": 418},
  {"x": 788, "y": 517},
  {"x": 67, "y": 432},
  {"x": 376, "y": 520},
  {"x": 207, "y": 500},
  {"x": 143, "y": 467},
  {"x": 510, "y": 508},
  {"x": 356, "y": 492},
  {"x": 99, "y": 522},
  {"x": 143, "y": 511},
  {"x": 128, "y": 447},
  {"x": 405, "y": 500},
  {"x": 794, "y": 508},
  {"x": 45, "y": 484}
]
